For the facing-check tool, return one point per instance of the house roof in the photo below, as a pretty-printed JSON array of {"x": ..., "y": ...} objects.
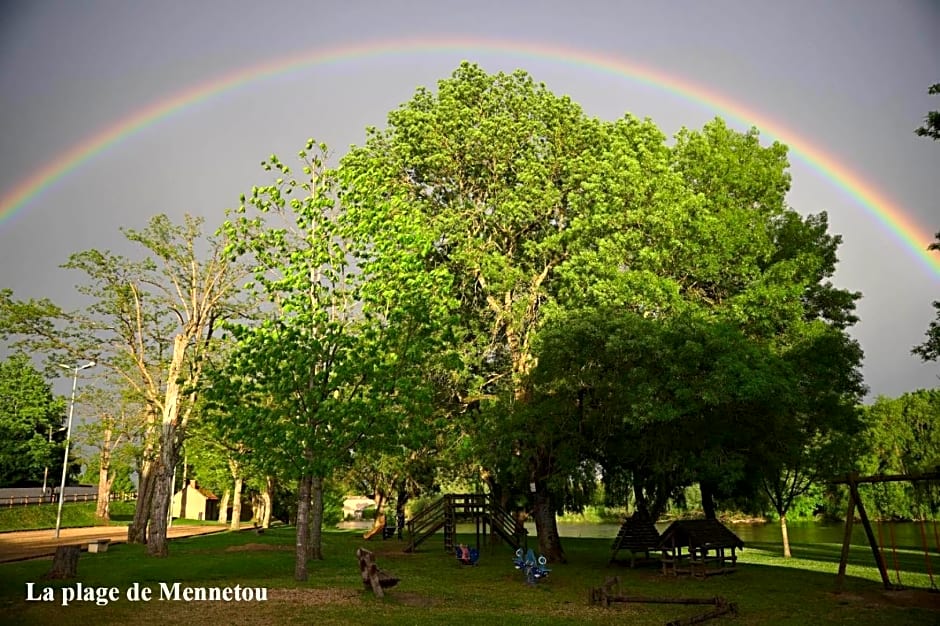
[
  {"x": 699, "y": 532},
  {"x": 208, "y": 495},
  {"x": 205, "y": 493},
  {"x": 637, "y": 533}
]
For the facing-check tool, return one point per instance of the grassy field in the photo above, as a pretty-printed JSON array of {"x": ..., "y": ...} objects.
[
  {"x": 74, "y": 515},
  {"x": 435, "y": 589}
]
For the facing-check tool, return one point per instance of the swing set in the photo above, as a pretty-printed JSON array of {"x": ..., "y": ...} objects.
[{"x": 877, "y": 545}]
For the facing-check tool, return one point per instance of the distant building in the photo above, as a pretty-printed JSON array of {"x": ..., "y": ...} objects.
[
  {"x": 201, "y": 504},
  {"x": 353, "y": 506}
]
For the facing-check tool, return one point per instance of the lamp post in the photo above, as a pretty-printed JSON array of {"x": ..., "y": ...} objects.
[{"x": 68, "y": 440}]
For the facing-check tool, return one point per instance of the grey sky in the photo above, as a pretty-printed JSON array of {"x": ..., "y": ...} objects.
[{"x": 851, "y": 75}]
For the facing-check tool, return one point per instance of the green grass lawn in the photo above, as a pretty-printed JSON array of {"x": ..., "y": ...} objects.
[
  {"x": 435, "y": 589},
  {"x": 74, "y": 515}
]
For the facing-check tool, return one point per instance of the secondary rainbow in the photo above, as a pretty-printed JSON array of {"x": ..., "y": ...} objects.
[{"x": 875, "y": 203}]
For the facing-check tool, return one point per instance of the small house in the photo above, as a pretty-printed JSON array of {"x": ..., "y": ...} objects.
[
  {"x": 194, "y": 502},
  {"x": 355, "y": 506}
]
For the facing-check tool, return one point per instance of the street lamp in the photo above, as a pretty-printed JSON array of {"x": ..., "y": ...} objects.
[{"x": 68, "y": 440}]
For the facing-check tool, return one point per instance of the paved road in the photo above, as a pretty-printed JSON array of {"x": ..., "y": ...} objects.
[{"x": 31, "y": 544}]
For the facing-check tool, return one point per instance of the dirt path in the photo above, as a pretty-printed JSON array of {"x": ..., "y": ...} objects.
[{"x": 31, "y": 544}]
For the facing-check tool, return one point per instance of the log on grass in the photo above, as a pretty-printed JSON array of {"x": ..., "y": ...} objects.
[{"x": 723, "y": 609}]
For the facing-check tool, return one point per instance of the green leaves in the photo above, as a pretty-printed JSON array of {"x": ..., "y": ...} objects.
[
  {"x": 30, "y": 420},
  {"x": 351, "y": 313}
]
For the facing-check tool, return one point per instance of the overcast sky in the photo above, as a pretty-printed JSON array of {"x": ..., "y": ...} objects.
[{"x": 850, "y": 75}]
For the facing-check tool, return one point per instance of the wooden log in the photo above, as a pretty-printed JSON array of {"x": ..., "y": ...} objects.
[
  {"x": 652, "y": 600},
  {"x": 64, "y": 563},
  {"x": 723, "y": 609}
]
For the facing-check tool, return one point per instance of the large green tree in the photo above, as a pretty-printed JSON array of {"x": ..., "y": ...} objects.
[
  {"x": 488, "y": 168},
  {"x": 30, "y": 420},
  {"x": 334, "y": 369},
  {"x": 537, "y": 210}
]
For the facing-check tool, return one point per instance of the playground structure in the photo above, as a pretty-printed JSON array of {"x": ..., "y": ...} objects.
[
  {"x": 855, "y": 501},
  {"x": 479, "y": 508}
]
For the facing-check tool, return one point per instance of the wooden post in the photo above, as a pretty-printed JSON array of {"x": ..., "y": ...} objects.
[
  {"x": 871, "y": 536},
  {"x": 846, "y": 541}
]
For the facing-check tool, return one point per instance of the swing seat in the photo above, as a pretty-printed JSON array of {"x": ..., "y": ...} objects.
[{"x": 473, "y": 555}]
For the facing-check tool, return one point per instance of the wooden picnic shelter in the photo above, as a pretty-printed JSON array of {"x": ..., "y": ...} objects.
[
  {"x": 638, "y": 535},
  {"x": 710, "y": 548}
]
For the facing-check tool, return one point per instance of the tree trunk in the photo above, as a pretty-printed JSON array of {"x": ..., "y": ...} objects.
[
  {"x": 400, "y": 501},
  {"x": 168, "y": 451},
  {"x": 103, "y": 505},
  {"x": 378, "y": 525},
  {"x": 236, "y": 522},
  {"x": 137, "y": 531},
  {"x": 547, "y": 527},
  {"x": 786, "y": 537},
  {"x": 223, "y": 506},
  {"x": 708, "y": 499},
  {"x": 156, "y": 535},
  {"x": 162, "y": 492},
  {"x": 303, "y": 528},
  {"x": 64, "y": 563},
  {"x": 315, "y": 547},
  {"x": 640, "y": 503},
  {"x": 268, "y": 497}
]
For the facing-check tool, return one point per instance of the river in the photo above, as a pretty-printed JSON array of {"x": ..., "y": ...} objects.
[{"x": 906, "y": 534}]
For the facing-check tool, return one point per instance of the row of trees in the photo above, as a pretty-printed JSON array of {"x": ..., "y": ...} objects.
[{"x": 495, "y": 289}]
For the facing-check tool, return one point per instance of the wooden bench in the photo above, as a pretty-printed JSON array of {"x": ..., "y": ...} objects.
[
  {"x": 98, "y": 545},
  {"x": 372, "y": 577}
]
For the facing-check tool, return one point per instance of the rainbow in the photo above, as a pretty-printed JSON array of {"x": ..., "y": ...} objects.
[{"x": 889, "y": 214}]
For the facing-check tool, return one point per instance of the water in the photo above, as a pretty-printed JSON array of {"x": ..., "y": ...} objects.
[{"x": 906, "y": 534}]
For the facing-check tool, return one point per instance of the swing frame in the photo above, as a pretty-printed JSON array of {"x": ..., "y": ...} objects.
[{"x": 853, "y": 480}]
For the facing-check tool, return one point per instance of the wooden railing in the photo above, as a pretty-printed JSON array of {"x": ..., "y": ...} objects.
[
  {"x": 50, "y": 498},
  {"x": 425, "y": 524},
  {"x": 449, "y": 509}
]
